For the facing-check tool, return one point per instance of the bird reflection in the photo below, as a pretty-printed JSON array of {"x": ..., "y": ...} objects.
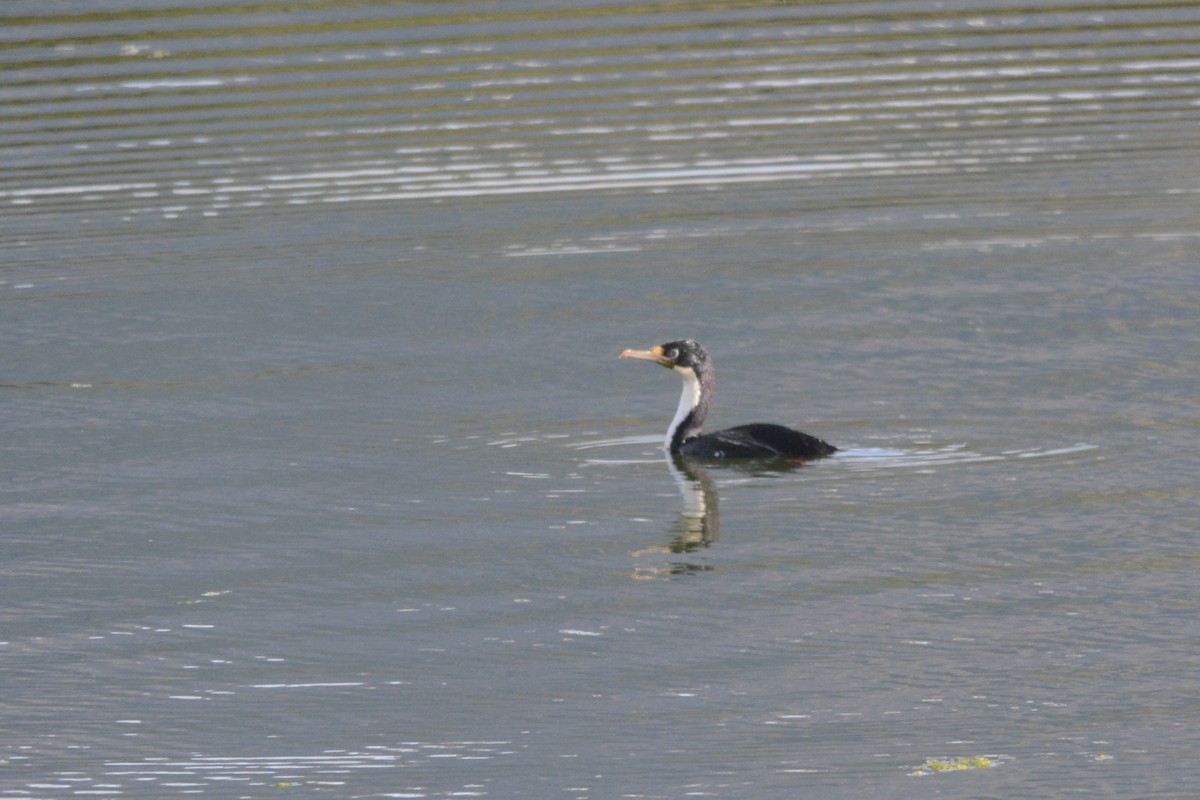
[{"x": 698, "y": 525}]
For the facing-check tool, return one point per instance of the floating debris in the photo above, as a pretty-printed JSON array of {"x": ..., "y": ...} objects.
[{"x": 935, "y": 765}]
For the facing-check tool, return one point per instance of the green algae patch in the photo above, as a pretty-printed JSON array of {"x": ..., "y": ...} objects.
[{"x": 933, "y": 766}]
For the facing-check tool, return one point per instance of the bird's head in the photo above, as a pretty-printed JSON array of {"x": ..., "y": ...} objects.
[{"x": 681, "y": 355}]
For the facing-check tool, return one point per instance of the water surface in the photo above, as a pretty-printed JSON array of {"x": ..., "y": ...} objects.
[{"x": 322, "y": 473}]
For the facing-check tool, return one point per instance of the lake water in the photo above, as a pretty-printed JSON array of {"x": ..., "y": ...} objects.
[{"x": 321, "y": 475}]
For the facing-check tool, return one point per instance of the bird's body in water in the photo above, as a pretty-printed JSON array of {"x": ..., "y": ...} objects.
[{"x": 758, "y": 440}]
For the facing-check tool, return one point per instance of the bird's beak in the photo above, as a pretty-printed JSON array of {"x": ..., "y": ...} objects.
[{"x": 654, "y": 354}]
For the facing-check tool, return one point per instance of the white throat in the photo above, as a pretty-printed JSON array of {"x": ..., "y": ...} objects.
[{"x": 689, "y": 398}]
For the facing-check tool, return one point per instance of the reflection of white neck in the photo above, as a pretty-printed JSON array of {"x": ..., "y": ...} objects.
[
  {"x": 694, "y": 505},
  {"x": 689, "y": 398}
]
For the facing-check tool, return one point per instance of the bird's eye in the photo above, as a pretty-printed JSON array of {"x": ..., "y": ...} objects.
[{"x": 672, "y": 354}]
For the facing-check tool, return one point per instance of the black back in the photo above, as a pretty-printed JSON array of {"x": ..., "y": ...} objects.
[{"x": 757, "y": 440}]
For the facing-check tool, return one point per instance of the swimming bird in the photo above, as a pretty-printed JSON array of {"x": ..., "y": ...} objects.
[{"x": 760, "y": 440}]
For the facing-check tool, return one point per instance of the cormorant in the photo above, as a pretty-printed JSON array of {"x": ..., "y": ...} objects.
[{"x": 760, "y": 440}]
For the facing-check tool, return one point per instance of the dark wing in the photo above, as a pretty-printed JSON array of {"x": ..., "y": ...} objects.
[{"x": 757, "y": 440}]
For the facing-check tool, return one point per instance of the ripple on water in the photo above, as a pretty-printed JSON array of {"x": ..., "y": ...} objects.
[
  {"x": 862, "y": 458},
  {"x": 332, "y": 771}
]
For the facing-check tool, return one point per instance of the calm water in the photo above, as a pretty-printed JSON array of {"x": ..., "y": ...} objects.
[{"x": 321, "y": 473}]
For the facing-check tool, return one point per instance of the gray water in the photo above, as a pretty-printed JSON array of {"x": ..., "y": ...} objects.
[{"x": 321, "y": 475}]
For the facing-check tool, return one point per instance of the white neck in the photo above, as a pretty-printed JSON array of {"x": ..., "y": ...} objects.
[{"x": 688, "y": 399}]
